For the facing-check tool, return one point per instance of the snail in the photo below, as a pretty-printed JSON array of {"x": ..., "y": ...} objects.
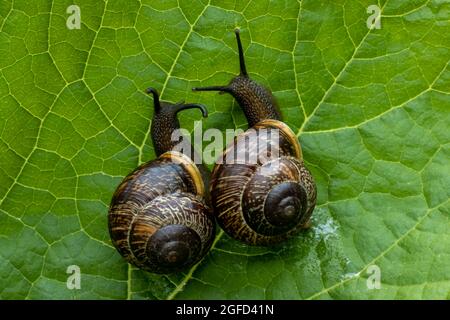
[
  {"x": 158, "y": 219},
  {"x": 268, "y": 200}
]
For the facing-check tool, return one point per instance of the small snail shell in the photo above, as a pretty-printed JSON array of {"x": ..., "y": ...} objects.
[
  {"x": 265, "y": 202},
  {"x": 158, "y": 219}
]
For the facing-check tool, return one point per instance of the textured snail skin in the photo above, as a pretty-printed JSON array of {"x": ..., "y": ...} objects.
[
  {"x": 158, "y": 218},
  {"x": 266, "y": 202},
  {"x": 253, "y": 99}
]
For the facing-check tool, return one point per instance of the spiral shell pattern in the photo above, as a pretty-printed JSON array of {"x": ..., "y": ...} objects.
[
  {"x": 263, "y": 202},
  {"x": 158, "y": 220}
]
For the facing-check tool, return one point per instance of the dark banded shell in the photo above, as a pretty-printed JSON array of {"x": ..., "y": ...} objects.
[
  {"x": 158, "y": 219},
  {"x": 263, "y": 202}
]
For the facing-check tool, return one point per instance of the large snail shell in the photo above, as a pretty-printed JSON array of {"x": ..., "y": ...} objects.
[
  {"x": 158, "y": 219},
  {"x": 263, "y": 202}
]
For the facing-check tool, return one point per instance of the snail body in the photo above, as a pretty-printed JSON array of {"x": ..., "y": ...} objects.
[
  {"x": 158, "y": 218},
  {"x": 267, "y": 200}
]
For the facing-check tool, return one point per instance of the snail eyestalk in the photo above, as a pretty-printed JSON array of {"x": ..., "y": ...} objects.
[
  {"x": 254, "y": 99},
  {"x": 242, "y": 68},
  {"x": 201, "y": 107},
  {"x": 156, "y": 102},
  {"x": 241, "y": 53},
  {"x": 221, "y": 89}
]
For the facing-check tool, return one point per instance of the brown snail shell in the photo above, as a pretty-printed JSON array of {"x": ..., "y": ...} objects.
[
  {"x": 158, "y": 219},
  {"x": 263, "y": 202}
]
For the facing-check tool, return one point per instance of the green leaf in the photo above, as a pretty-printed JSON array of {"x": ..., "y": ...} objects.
[{"x": 371, "y": 108}]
